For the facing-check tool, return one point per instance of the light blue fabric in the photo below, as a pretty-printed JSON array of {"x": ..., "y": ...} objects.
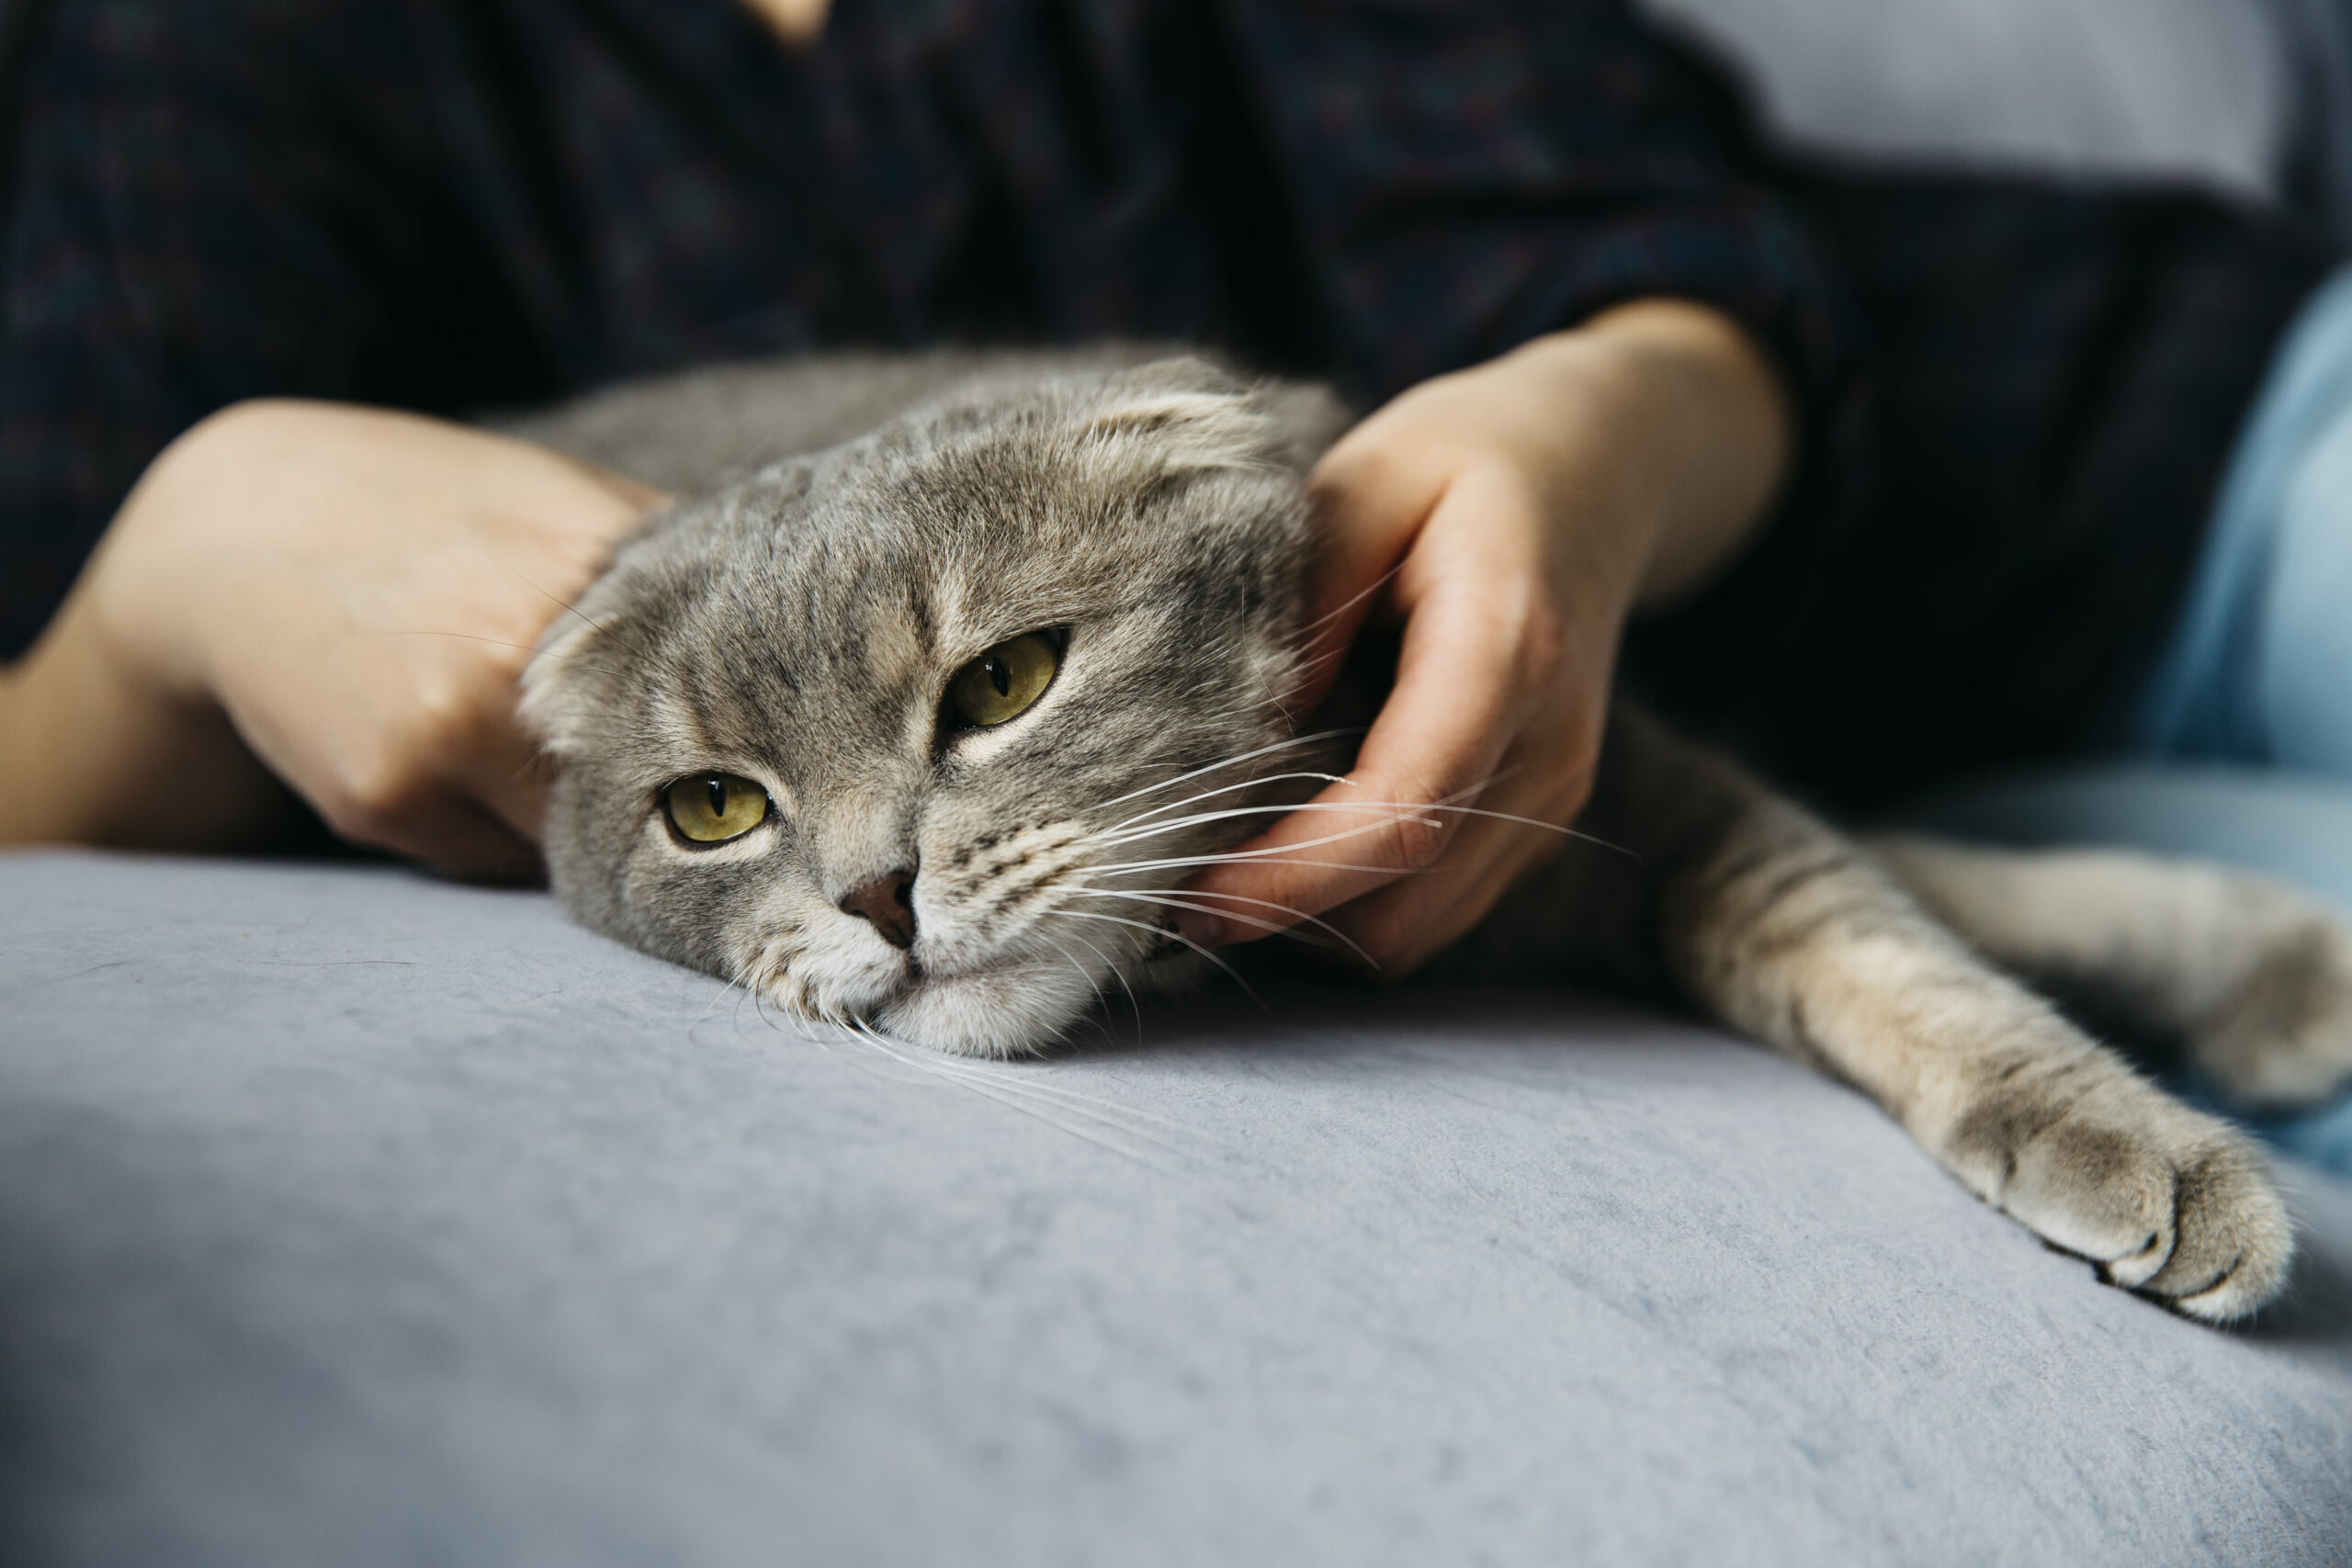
[
  {"x": 2259, "y": 669},
  {"x": 2258, "y": 672}
]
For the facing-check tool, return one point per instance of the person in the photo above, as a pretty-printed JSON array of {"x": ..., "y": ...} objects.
[{"x": 1873, "y": 479}]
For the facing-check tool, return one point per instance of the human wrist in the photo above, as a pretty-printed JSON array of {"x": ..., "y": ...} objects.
[
  {"x": 140, "y": 610},
  {"x": 1675, "y": 426},
  {"x": 93, "y": 751}
]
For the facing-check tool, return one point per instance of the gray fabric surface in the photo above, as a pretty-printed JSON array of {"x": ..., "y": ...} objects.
[
  {"x": 347, "y": 1217},
  {"x": 2160, "y": 89}
]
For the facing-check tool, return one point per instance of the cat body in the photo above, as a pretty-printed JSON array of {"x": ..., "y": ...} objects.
[{"x": 917, "y": 713}]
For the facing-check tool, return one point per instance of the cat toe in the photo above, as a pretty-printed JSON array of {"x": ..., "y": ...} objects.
[
  {"x": 2233, "y": 1240},
  {"x": 2169, "y": 1203}
]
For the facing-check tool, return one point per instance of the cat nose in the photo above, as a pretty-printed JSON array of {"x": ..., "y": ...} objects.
[{"x": 888, "y": 903}]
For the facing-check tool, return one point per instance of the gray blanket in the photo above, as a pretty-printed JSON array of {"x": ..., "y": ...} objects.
[{"x": 349, "y": 1217}]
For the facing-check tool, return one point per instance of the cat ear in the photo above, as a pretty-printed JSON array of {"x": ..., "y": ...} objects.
[
  {"x": 561, "y": 694},
  {"x": 1178, "y": 430}
]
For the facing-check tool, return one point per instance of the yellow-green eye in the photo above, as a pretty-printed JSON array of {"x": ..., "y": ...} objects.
[
  {"x": 1004, "y": 681},
  {"x": 711, "y": 808}
]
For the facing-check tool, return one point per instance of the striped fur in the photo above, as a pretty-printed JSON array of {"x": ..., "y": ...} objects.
[{"x": 795, "y": 624}]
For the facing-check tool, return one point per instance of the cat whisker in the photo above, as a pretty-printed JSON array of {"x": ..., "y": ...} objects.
[
  {"x": 1012, "y": 1079},
  {"x": 742, "y": 977},
  {"x": 1117, "y": 973},
  {"x": 995, "y": 1091},
  {"x": 1284, "y": 852},
  {"x": 1470, "y": 792},
  {"x": 1137, "y": 835},
  {"x": 1231, "y": 761},
  {"x": 1211, "y": 795},
  {"x": 1176, "y": 862},
  {"x": 1261, "y": 923},
  {"x": 569, "y": 608},
  {"x": 1281, "y": 853},
  {"x": 1107, "y": 1113},
  {"x": 760, "y": 973},
  {"x": 1160, "y": 931},
  {"x": 1070, "y": 958},
  {"x": 1320, "y": 627},
  {"x": 528, "y": 648},
  {"x": 1403, "y": 811},
  {"x": 1175, "y": 898},
  {"x": 759, "y": 1005},
  {"x": 858, "y": 1033},
  {"x": 1443, "y": 803}
]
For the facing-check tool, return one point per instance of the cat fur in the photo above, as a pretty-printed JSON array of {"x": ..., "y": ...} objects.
[{"x": 854, "y": 528}]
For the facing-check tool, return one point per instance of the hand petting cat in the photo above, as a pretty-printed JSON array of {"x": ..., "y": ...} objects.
[
  {"x": 1512, "y": 515},
  {"x": 342, "y": 596}
]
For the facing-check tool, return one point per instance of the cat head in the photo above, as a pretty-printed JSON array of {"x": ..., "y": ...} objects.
[{"x": 923, "y": 732}]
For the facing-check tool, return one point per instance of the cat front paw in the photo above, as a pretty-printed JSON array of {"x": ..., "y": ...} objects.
[{"x": 2168, "y": 1202}]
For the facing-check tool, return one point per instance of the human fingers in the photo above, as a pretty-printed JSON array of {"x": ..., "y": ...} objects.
[
  {"x": 410, "y": 805},
  {"x": 1369, "y": 507},
  {"x": 397, "y": 738},
  {"x": 1372, "y": 493},
  {"x": 509, "y": 778},
  {"x": 464, "y": 798},
  {"x": 1401, "y": 925},
  {"x": 376, "y": 668},
  {"x": 446, "y": 829},
  {"x": 1462, "y": 692}
]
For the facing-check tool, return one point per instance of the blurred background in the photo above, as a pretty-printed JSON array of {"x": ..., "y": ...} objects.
[{"x": 2246, "y": 97}]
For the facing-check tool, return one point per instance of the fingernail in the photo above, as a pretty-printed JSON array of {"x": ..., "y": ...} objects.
[{"x": 1200, "y": 931}]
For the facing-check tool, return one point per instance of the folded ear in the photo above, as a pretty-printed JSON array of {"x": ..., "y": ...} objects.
[
  {"x": 1186, "y": 429},
  {"x": 565, "y": 687},
  {"x": 1309, "y": 417}
]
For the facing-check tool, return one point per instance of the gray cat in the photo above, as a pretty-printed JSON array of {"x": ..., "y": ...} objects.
[{"x": 922, "y": 731}]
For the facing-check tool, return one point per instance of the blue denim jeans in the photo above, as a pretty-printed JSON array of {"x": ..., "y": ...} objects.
[{"x": 2259, "y": 668}]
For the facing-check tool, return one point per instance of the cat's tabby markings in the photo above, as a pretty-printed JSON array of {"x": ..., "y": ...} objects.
[{"x": 924, "y": 731}]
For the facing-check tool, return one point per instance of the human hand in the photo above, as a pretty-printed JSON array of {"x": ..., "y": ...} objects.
[
  {"x": 356, "y": 591},
  {"x": 1523, "y": 507}
]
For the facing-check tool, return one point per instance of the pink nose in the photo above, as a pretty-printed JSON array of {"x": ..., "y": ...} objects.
[{"x": 889, "y": 904}]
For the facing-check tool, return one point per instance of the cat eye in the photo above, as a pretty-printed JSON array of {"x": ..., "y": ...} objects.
[
  {"x": 1002, "y": 683},
  {"x": 711, "y": 808}
]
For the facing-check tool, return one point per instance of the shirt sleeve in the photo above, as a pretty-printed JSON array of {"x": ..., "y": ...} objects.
[{"x": 1469, "y": 173}]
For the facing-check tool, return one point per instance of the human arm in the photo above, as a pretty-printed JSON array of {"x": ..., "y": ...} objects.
[
  {"x": 1526, "y": 507},
  {"x": 1473, "y": 177},
  {"x": 340, "y": 597}
]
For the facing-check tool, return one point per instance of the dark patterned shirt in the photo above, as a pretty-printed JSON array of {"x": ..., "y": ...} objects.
[{"x": 448, "y": 204}]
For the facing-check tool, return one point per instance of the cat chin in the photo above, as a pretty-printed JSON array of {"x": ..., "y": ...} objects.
[{"x": 1003, "y": 1012}]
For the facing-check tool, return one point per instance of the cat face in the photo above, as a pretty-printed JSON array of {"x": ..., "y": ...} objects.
[{"x": 925, "y": 731}]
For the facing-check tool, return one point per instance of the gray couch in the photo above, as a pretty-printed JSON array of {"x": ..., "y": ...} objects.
[{"x": 351, "y": 1218}]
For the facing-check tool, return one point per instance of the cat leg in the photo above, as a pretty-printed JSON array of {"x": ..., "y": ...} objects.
[
  {"x": 1787, "y": 930},
  {"x": 2254, "y": 978}
]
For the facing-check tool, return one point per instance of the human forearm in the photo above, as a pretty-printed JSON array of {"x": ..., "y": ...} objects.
[
  {"x": 1670, "y": 406},
  {"x": 90, "y": 753},
  {"x": 339, "y": 597}
]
